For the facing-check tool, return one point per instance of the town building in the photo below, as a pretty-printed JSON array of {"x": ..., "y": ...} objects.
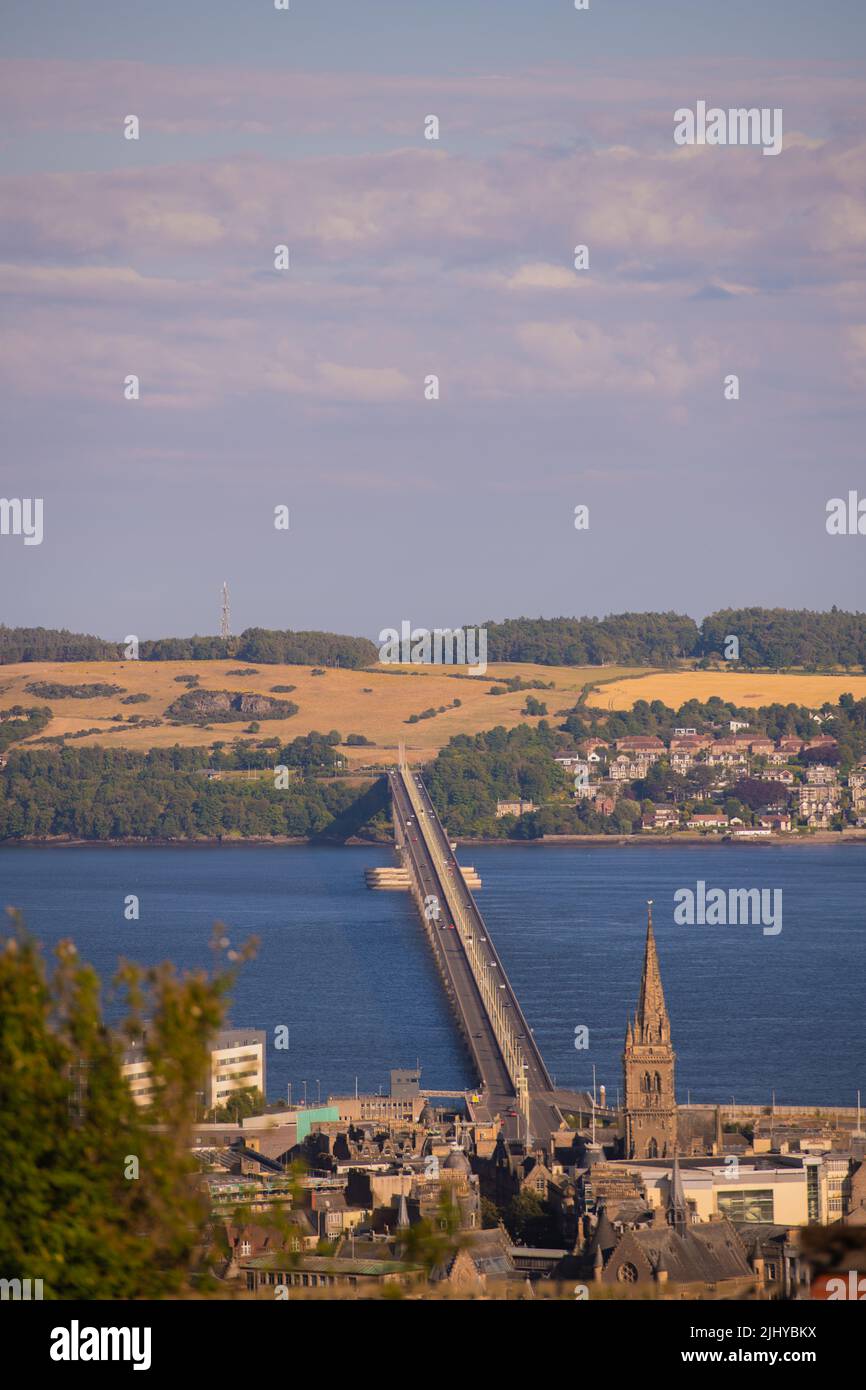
[
  {"x": 689, "y": 742},
  {"x": 761, "y": 747},
  {"x": 778, "y": 822},
  {"x": 819, "y": 804},
  {"x": 661, "y": 818},
  {"x": 791, "y": 745},
  {"x": 817, "y": 775},
  {"x": 727, "y": 752},
  {"x": 682, "y": 760},
  {"x": 664, "y": 1246},
  {"x": 857, "y": 788},
  {"x": 647, "y": 746},
  {"x": 514, "y": 808},
  {"x": 707, "y": 820},
  {"x": 236, "y": 1061},
  {"x": 404, "y": 1103}
]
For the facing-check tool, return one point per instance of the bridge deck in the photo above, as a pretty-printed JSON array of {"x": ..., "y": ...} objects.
[{"x": 427, "y": 854}]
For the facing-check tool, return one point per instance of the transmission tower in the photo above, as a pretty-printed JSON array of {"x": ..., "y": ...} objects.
[{"x": 225, "y": 627}]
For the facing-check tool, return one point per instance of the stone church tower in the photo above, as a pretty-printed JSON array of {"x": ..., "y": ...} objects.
[{"x": 648, "y": 1064}]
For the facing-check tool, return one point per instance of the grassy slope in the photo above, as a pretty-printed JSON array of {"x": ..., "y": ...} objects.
[{"x": 336, "y": 700}]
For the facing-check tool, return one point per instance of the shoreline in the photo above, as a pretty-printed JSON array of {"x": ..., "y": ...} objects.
[
  {"x": 817, "y": 837},
  {"x": 687, "y": 838}
]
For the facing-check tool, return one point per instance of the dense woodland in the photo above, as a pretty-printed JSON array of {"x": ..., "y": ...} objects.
[
  {"x": 769, "y": 637},
  {"x": 105, "y": 794},
  {"x": 776, "y": 638},
  {"x": 256, "y": 644},
  {"x": 626, "y": 639}
]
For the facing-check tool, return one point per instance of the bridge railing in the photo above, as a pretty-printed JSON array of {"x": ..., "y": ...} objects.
[{"x": 486, "y": 976}]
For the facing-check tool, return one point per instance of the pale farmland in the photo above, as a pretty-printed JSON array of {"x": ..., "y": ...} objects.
[
  {"x": 376, "y": 704},
  {"x": 371, "y": 703},
  {"x": 745, "y": 688}
]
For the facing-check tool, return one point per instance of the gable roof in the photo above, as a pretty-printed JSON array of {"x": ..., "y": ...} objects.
[{"x": 707, "y": 1253}]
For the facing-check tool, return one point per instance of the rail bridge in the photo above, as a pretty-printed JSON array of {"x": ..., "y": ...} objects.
[{"x": 513, "y": 1081}]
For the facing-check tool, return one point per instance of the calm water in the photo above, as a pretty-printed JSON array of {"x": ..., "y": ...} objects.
[{"x": 350, "y": 973}]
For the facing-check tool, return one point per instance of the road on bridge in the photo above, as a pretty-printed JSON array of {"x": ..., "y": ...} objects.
[{"x": 428, "y": 848}]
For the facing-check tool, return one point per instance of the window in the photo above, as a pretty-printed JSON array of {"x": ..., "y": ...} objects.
[
  {"x": 246, "y": 1248},
  {"x": 627, "y": 1274},
  {"x": 812, "y": 1192},
  {"x": 752, "y": 1204}
]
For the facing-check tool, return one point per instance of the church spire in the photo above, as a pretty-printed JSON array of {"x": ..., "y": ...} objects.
[
  {"x": 649, "y": 1062},
  {"x": 651, "y": 1023},
  {"x": 678, "y": 1211}
]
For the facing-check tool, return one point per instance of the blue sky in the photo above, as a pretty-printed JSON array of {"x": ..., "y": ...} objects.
[
  {"x": 411, "y": 257},
  {"x": 406, "y": 36}
]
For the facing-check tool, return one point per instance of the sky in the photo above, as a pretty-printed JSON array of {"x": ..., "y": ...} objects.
[{"x": 409, "y": 258}]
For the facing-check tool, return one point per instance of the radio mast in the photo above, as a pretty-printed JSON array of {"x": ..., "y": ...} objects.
[{"x": 225, "y": 627}]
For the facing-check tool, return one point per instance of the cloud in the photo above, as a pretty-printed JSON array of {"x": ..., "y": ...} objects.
[
  {"x": 715, "y": 214},
  {"x": 363, "y": 383},
  {"x": 582, "y": 356},
  {"x": 539, "y": 275},
  {"x": 420, "y": 257}
]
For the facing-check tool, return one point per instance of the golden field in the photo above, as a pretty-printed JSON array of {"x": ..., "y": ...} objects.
[
  {"x": 673, "y": 688},
  {"x": 354, "y": 702},
  {"x": 376, "y": 704}
]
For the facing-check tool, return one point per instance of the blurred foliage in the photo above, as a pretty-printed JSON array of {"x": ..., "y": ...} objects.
[{"x": 97, "y": 1196}]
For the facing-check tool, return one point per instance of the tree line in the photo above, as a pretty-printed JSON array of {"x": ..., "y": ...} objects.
[
  {"x": 24, "y": 644},
  {"x": 99, "y": 793},
  {"x": 768, "y": 637},
  {"x": 774, "y": 638}
]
